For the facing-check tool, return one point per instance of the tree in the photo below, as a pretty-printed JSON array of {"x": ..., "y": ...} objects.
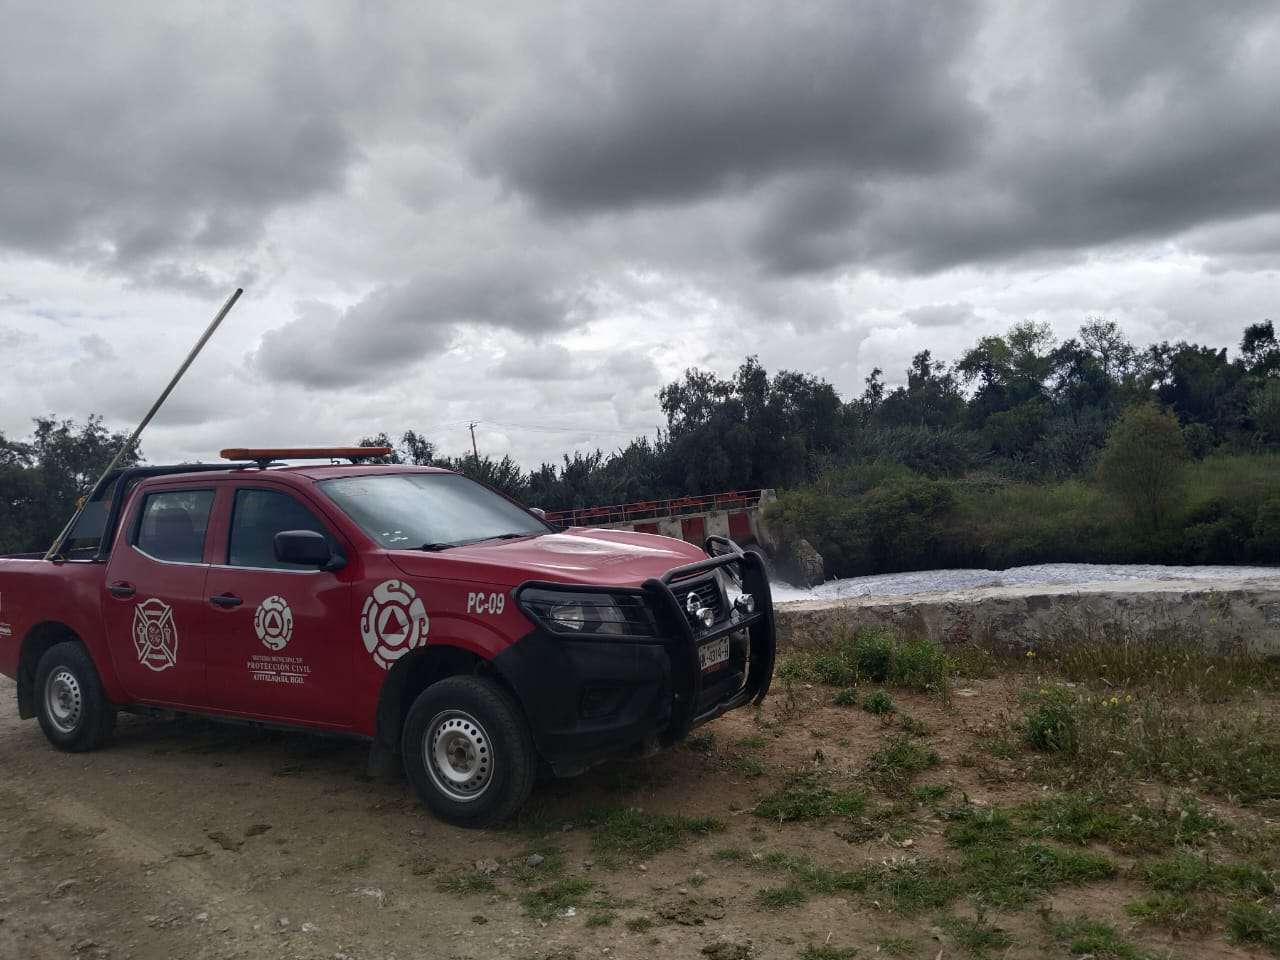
[{"x": 1142, "y": 461}]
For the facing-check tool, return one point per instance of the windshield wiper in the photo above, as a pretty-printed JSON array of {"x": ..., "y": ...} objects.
[{"x": 434, "y": 547}]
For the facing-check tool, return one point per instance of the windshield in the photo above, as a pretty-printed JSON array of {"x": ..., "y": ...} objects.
[{"x": 429, "y": 510}]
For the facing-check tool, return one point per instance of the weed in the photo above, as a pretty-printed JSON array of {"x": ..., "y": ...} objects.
[
  {"x": 976, "y": 935},
  {"x": 1050, "y": 726},
  {"x": 879, "y": 702},
  {"x": 1004, "y": 876},
  {"x": 1175, "y": 912},
  {"x": 629, "y": 831},
  {"x": 971, "y": 661},
  {"x": 804, "y": 798},
  {"x": 1254, "y": 923},
  {"x": 872, "y": 656},
  {"x": 745, "y": 765},
  {"x": 601, "y": 918},
  {"x": 898, "y": 761},
  {"x": 639, "y": 924},
  {"x": 973, "y": 826},
  {"x": 553, "y": 899},
  {"x": 549, "y": 867},
  {"x": 928, "y": 793},
  {"x": 464, "y": 883},
  {"x": 1085, "y": 937},
  {"x": 914, "y": 727},
  {"x": 1089, "y": 817},
  {"x": 732, "y": 854},
  {"x": 697, "y": 880},
  {"x": 777, "y": 898},
  {"x": 753, "y": 742},
  {"x": 824, "y": 952},
  {"x": 896, "y": 946},
  {"x": 845, "y": 697}
]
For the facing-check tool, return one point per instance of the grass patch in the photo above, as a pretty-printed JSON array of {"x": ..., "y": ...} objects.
[
  {"x": 1188, "y": 873},
  {"x": 554, "y": 899},
  {"x": 1008, "y": 877},
  {"x": 1082, "y": 818},
  {"x": 914, "y": 727},
  {"x": 629, "y": 831},
  {"x": 826, "y": 952},
  {"x": 1254, "y": 923},
  {"x": 845, "y": 697},
  {"x": 898, "y": 761},
  {"x": 803, "y": 797},
  {"x": 778, "y": 898},
  {"x": 977, "y": 936},
  {"x": 879, "y": 702},
  {"x": 1176, "y": 912},
  {"x": 929, "y": 793},
  {"x": 1167, "y": 659},
  {"x": 466, "y": 883},
  {"x": 639, "y": 924},
  {"x": 1230, "y": 750},
  {"x": 872, "y": 656},
  {"x": 601, "y": 918},
  {"x": 1085, "y": 937}
]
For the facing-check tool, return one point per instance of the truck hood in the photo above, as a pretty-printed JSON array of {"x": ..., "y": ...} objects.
[{"x": 579, "y": 555}]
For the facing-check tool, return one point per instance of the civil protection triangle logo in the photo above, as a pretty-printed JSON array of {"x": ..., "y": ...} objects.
[{"x": 155, "y": 635}]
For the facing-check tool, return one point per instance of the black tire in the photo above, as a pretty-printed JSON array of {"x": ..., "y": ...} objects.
[
  {"x": 479, "y": 727},
  {"x": 73, "y": 709}
]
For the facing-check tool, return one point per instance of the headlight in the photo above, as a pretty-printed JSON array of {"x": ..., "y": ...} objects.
[
  {"x": 741, "y": 603},
  {"x": 588, "y": 614}
]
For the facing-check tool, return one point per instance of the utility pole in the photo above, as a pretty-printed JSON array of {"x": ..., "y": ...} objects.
[{"x": 474, "y": 452}]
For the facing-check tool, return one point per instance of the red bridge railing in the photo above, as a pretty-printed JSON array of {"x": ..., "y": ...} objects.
[{"x": 656, "y": 509}]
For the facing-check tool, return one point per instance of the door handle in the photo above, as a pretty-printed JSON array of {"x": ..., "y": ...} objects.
[
  {"x": 122, "y": 589},
  {"x": 226, "y": 600}
]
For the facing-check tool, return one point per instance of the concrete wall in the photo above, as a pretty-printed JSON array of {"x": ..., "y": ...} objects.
[{"x": 1226, "y": 614}]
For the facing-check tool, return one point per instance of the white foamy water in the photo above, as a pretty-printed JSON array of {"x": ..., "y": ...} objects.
[{"x": 929, "y": 581}]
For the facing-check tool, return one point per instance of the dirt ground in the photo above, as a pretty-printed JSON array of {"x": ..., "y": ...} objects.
[{"x": 186, "y": 839}]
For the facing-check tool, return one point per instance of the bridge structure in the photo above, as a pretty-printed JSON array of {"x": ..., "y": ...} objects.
[{"x": 734, "y": 514}]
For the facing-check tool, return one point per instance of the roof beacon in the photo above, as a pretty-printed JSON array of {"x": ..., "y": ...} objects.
[{"x": 265, "y": 456}]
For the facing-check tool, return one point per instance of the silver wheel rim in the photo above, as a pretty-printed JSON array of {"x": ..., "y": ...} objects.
[
  {"x": 458, "y": 755},
  {"x": 64, "y": 703}
]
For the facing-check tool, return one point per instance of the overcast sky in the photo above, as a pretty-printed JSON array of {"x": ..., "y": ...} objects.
[{"x": 534, "y": 215}]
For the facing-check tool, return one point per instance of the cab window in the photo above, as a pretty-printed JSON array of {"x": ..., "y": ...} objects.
[
  {"x": 172, "y": 525},
  {"x": 256, "y": 518}
]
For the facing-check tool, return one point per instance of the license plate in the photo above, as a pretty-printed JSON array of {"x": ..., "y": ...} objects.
[{"x": 714, "y": 653}]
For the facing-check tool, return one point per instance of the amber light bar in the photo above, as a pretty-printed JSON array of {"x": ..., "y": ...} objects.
[{"x": 260, "y": 454}]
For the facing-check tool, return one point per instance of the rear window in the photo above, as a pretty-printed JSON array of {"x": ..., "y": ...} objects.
[{"x": 173, "y": 525}]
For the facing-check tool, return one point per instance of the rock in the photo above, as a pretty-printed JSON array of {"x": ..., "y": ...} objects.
[
  {"x": 692, "y": 911},
  {"x": 808, "y": 562},
  {"x": 224, "y": 841},
  {"x": 535, "y": 860},
  {"x": 487, "y": 867},
  {"x": 373, "y": 893},
  {"x": 202, "y": 916},
  {"x": 282, "y": 922},
  {"x": 256, "y": 829},
  {"x": 310, "y": 928},
  {"x": 724, "y": 950},
  {"x": 479, "y": 918},
  {"x": 63, "y": 886},
  {"x": 192, "y": 851}
]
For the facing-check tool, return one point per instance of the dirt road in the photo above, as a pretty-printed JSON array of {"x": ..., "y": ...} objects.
[{"x": 193, "y": 840}]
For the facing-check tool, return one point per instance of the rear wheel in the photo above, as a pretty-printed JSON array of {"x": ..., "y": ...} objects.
[
  {"x": 73, "y": 709},
  {"x": 468, "y": 751}
]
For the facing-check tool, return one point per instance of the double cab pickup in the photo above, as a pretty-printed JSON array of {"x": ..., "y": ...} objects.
[{"x": 474, "y": 645}]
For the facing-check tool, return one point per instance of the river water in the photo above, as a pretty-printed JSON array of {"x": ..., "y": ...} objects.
[{"x": 928, "y": 581}]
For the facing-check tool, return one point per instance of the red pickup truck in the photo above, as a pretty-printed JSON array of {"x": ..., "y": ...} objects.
[{"x": 470, "y": 641}]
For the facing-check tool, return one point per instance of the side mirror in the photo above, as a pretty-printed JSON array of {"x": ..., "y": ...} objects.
[
  {"x": 538, "y": 512},
  {"x": 303, "y": 547}
]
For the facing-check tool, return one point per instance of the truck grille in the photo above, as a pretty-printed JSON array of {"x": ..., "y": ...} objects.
[{"x": 708, "y": 595}]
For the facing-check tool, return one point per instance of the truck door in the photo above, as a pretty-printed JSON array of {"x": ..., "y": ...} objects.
[
  {"x": 155, "y": 599},
  {"x": 282, "y": 643}
]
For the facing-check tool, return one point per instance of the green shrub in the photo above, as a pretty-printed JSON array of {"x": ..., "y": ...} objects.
[
  {"x": 878, "y": 702},
  {"x": 1050, "y": 725}
]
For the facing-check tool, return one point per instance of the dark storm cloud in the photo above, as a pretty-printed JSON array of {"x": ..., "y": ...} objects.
[
  {"x": 126, "y": 139},
  {"x": 667, "y": 103},
  {"x": 397, "y": 326}
]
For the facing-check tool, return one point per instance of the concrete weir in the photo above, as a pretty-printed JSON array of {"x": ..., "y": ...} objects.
[{"x": 1221, "y": 615}]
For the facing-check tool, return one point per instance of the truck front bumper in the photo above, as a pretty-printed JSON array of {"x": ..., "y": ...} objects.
[{"x": 588, "y": 700}]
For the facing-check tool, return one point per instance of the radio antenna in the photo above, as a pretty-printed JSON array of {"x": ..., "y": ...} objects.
[{"x": 133, "y": 438}]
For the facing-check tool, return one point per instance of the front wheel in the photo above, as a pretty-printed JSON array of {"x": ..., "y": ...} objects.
[
  {"x": 468, "y": 752},
  {"x": 74, "y": 712}
]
